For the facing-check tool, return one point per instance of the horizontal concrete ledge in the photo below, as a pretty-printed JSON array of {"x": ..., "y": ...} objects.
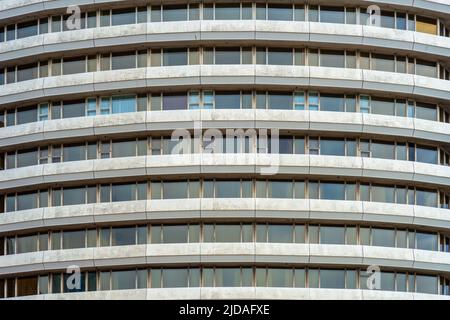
[
  {"x": 175, "y": 211},
  {"x": 245, "y": 30},
  {"x": 270, "y": 254},
  {"x": 168, "y": 121},
  {"x": 264, "y": 165},
  {"x": 12, "y": 8},
  {"x": 246, "y": 293},
  {"x": 238, "y": 75}
]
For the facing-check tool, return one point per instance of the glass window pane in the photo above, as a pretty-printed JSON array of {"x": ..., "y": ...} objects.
[
  {"x": 123, "y": 192},
  {"x": 122, "y": 280},
  {"x": 123, "y": 16},
  {"x": 330, "y": 102},
  {"x": 175, "y": 13},
  {"x": 335, "y": 147},
  {"x": 332, "y": 191},
  {"x": 175, "y": 57},
  {"x": 332, "y": 235},
  {"x": 383, "y": 237},
  {"x": 123, "y": 236},
  {"x": 175, "y": 234},
  {"x": 74, "y": 239},
  {"x": 280, "y": 233},
  {"x": 280, "y": 12},
  {"x": 333, "y": 279},
  {"x": 175, "y": 278},
  {"x": 332, "y": 14}
]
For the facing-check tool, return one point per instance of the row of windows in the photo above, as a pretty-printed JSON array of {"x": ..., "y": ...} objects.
[
  {"x": 246, "y": 232},
  {"x": 222, "y": 56},
  {"x": 226, "y": 11},
  {"x": 209, "y": 99},
  {"x": 222, "y": 277},
  {"x": 350, "y": 147},
  {"x": 285, "y": 189}
]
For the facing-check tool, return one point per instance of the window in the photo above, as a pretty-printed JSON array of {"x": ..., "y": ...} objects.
[
  {"x": 425, "y": 111},
  {"x": 227, "y": 277},
  {"x": 27, "y": 72},
  {"x": 175, "y": 57},
  {"x": 332, "y": 191},
  {"x": 26, "y": 286},
  {"x": 123, "y": 16},
  {"x": 384, "y": 150},
  {"x": 383, "y": 194},
  {"x": 123, "y": 192},
  {"x": 280, "y": 12},
  {"x": 122, "y": 280},
  {"x": 227, "y": 233},
  {"x": 227, "y": 100},
  {"x": 26, "y": 201},
  {"x": 74, "y": 65},
  {"x": 332, "y": 102},
  {"x": 72, "y": 109},
  {"x": 279, "y": 56},
  {"x": 313, "y": 101},
  {"x": 426, "y": 284},
  {"x": 172, "y": 234},
  {"x": 383, "y": 237},
  {"x": 280, "y": 189},
  {"x": 175, "y": 278},
  {"x": 123, "y": 236},
  {"x": 332, "y": 279},
  {"x": 74, "y": 152},
  {"x": 175, "y": 190},
  {"x": 123, "y": 61},
  {"x": 27, "y": 158},
  {"x": 334, "y": 147},
  {"x": 173, "y": 13},
  {"x": 425, "y": 68},
  {"x": 426, "y": 198},
  {"x": 387, "y": 19},
  {"x": 174, "y": 101},
  {"x": 227, "y": 11},
  {"x": 122, "y": 104},
  {"x": 27, "y": 29},
  {"x": 124, "y": 149},
  {"x": 26, "y": 244},
  {"x": 383, "y": 106},
  {"x": 427, "y": 154},
  {"x": 332, "y": 14},
  {"x": 332, "y": 58},
  {"x": 72, "y": 196},
  {"x": 26, "y": 115},
  {"x": 228, "y": 189},
  {"x": 280, "y": 233},
  {"x": 74, "y": 239},
  {"x": 279, "y": 277},
  {"x": 426, "y": 241},
  {"x": 227, "y": 56},
  {"x": 280, "y": 101},
  {"x": 426, "y": 25},
  {"x": 383, "y": 62}
]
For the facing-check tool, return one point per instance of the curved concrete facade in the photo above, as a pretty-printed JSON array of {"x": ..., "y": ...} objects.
[{"x": 346, "y": 208}]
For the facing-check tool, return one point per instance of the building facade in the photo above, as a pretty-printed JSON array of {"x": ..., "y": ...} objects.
[{"x": 224, "y": 149}]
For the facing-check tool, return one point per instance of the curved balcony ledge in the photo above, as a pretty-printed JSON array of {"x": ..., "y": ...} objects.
[
  {"x": 160, "y": 77},
  {"x": 154, "y": 211},
  {"x": 251, "y": 30},
  {"x": 258, "y": 293},
  {"x": 251, "y": 164},
  {"x": 224, "y": 119},
  {"x": 249, "y": 253}
]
